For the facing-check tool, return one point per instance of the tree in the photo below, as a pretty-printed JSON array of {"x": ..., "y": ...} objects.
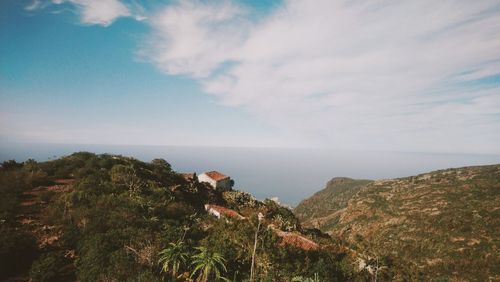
[
  {"x": 173, "y": 258},
  {"x": 206, "y": 264},
  {"x": 11, "y": 164},
  {"x": 161, "y": 163}
]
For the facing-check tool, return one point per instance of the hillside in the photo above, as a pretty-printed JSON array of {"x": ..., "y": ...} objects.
[
  {"x": 442, "y": 225},
  {"x": 321, "y": 209},
  {"x": 88, "y": 217}
]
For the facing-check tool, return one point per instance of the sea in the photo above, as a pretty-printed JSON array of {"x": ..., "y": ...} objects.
[{"x": 290, "y": 175}]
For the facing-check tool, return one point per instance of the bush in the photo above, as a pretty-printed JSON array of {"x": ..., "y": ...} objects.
[
  {"x": 47, "y": 196},
  {"x": 17, "y": 250},
  {"x": 49, "y": 267},
  {"x": 238, "y": 199}
]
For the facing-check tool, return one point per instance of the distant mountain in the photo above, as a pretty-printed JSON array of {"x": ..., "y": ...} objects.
[{"x": 443, "y": 225}]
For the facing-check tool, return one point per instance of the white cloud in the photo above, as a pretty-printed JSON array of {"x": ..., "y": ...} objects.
[
  {"x": 351, "y": 74},
  {"x": 100, "y": 12},
  {"x": 195, "y": 37}
]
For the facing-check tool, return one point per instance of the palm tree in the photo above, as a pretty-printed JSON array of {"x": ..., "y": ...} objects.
[
  {"x": 173, "y": 258},
  {"x": 207, "y": 263}
]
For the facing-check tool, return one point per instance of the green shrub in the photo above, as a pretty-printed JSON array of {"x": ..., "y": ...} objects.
[
  {"x": 52, "y": 266},
  {"x": 17, "y": 250}
]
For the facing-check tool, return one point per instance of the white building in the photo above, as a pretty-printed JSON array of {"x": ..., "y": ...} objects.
[{"x": 217, "y": 180}]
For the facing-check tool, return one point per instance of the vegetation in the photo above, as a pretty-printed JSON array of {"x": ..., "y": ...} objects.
[
  {"x": 439, "y": 226},
  {"x": 173, "y": 258},
  {"x": 208, "y": 265},
  {"x": 320, "y": 208},
  {"x": 88, "y": 217}
]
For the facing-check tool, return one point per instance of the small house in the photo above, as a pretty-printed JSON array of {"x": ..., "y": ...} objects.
[{"x": 217, "y": 180}]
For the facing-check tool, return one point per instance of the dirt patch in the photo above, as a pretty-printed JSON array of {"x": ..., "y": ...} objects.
[
  {"x": 32, "y": 207},
  {"x": 434, "y": 261},
  {"x": 457, "y": 239},
  {"x": 473, "y": 242},
  {"x": 65, "y": 181}
]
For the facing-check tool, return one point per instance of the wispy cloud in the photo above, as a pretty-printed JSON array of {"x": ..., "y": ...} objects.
[
  {"x": 96, "y": 12},
  {"x": 34, "y": 5},
  {"x": 101, "y": 12},
  {"x": 195, "y": 37},
  {"x": 402, "y": 75}
]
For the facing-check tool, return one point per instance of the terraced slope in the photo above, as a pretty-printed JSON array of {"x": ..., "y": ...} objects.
[{"x": 444, "y": 224}]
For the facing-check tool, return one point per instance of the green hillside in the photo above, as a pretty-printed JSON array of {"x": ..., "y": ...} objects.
[
  {"x": 443, "y": 225},
  {"x": 321, "y": 209},
  {"x": 88, "y": 217}
]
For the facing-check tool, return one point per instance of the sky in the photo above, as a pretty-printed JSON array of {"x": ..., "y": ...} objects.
[{"x": 411, "y": 76}]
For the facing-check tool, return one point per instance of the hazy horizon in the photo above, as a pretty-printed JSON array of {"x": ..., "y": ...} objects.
[
  {"x": 281, "y": 95},
  {"x": 289, "y": 174}
]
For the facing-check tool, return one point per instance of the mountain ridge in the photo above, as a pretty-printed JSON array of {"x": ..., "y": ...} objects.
[{"x": 434, "y": 224}]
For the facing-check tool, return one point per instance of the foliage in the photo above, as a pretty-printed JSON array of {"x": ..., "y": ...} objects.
[
  {"x": 173, "y": 258},
  {"x": 208, "y": 265},
  {"x": 306, "y": 279},
  {"x": 17, "y": 245},
  {"x": 334, "y": 196},
  {"x": 115, "y": 218},
  {"x": 283, "y": 216},
  {"x": 50, "y": 267},
  {"x": 126, "y": 176},
  {"x": 439, "y": 224},
  {"x": 239, "y": 199},
  {"x": 17, "y": 251}
]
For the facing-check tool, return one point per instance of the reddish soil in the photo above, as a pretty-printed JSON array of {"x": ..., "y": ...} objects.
[{"x": 32, "y": 209}]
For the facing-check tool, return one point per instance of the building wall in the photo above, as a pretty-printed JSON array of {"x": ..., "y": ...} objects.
[
  {"x": 204, "y": 178},
  {"x": 224, "y": 185},
  {"x": 212, "y": 211}
]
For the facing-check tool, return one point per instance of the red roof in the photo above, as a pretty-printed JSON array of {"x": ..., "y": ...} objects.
[
  {"x": 215, "y": 175},
  {"x": 224, "y": 211}
]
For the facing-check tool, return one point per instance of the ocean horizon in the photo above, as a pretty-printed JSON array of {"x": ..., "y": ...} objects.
[{"x": 289, "y": 174}]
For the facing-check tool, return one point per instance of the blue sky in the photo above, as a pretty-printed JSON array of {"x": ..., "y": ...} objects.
[
  {"x": 60, "y": 76},
  {"x": 345, "y": 75}
]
